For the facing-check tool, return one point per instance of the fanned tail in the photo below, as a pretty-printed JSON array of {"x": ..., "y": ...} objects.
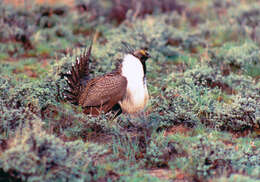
[{"x": 77, "y": 77}]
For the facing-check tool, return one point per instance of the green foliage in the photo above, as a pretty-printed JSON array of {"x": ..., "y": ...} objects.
[
  {"x": 33, "y": 155},
  {"x": 243, "y": 56},
  {"x": 203, "y": 94},
  {"x": 238, "y": 116},
  {"x": 213, "y": 154},
  {"x": 236, "y": 178}
]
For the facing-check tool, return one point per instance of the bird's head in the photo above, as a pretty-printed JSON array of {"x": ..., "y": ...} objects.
[{"x": 142, "y": 55}]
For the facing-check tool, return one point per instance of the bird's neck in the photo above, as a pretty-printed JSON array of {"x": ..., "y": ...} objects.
[{"x": 133, "y": 69}]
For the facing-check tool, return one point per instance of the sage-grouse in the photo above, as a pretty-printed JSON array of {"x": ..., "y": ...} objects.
[{"x": 125, "y": 86}]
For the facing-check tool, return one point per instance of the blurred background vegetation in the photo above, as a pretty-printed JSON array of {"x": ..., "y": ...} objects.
[{"x": 203, "y": 118}]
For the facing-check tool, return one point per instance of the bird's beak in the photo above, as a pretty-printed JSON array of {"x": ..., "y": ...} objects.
[{"x": 148, "y": 55}]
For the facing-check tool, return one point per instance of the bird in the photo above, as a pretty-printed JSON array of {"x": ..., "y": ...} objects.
[{"x": 124, "y": 88}]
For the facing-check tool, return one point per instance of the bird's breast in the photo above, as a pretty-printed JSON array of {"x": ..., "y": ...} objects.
[
  {"x": 136, "y": 96},
  {"x": 135, "y": 99}
]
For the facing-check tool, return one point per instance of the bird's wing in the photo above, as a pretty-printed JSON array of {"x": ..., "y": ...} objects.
[{"x": 103, "y": 89}]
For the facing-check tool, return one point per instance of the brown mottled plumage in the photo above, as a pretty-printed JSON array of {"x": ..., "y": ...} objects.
[{"x": 103, "y": 92}]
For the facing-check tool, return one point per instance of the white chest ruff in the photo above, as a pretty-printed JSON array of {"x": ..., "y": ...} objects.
[{"x": 137, "y": 94}]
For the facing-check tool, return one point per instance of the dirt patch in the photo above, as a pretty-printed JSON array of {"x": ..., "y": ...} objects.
[
  {"x": 164, "y": 174},
  {"x": 177, "y": 129}
]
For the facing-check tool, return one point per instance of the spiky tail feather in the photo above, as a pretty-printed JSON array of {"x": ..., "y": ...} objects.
[{"x": 77, "y": 77}]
